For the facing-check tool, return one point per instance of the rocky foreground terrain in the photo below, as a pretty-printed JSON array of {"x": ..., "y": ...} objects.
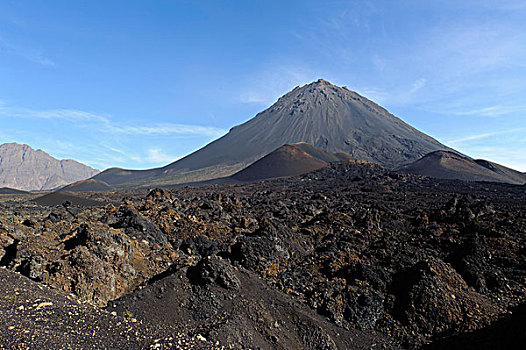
[{"x": 350, "y": 256}]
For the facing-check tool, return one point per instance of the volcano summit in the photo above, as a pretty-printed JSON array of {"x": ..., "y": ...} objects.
[{"x": 326, "y": 116}]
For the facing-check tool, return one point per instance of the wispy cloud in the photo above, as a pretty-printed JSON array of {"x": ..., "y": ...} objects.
[
  {"x": 505, "y": 5},
  {"x": 417, "y": 85},
  {"x": 70, "y": 115},
  {"x": 156, "y": 155},
  {"x": 492, "y": 111},
  {"x": 472, "y": 138},
  {"x": 106, "y": 124},
  {"x": 514, "y": 158},
  {"x": 375, "y": 94},
  {"x": 38, "y": 58},
  {"x": 484, "y": 136},
  {"x": 254, "y": 97},
  {"x": 401, "y": 95},
  {"x": 115, "y": 143},
  {"x": 275, "y": 80},
  {"x": 476, "y": 54},
  {"x": 26, "y": 53},
  {"x": 468, "y": 48},
  {"x": 379, "y": 62},
  {"x": 165, "y": 129}
]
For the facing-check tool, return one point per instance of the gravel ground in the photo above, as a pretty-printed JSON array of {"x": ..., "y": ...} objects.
[{"x": 36, "y": 317}]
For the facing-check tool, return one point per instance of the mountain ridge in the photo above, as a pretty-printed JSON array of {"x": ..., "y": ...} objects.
[{"x": 24, "y": 168}]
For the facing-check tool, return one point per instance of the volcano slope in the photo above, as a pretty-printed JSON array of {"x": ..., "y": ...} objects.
[
  {"x": 7, "y": 190},
  {"x": 345, "y": 257},
  {"x": 289, "y": 160},
  {"x": 326, "y": 116},
  {"x": 450, "y": 165}
]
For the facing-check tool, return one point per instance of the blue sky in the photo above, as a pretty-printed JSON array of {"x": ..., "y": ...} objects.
[{"x": 138, "y": 84}]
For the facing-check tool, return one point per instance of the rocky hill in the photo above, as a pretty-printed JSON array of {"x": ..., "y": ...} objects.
[
  {"x": 288, "y": 160},
  {"x": 24, "y": 168},
  {"x": 7, "y": 190},
  {"x": 87, "y": 185},
  {"x": 450, "y": 165},
  {"x": 326, "y": 116}
]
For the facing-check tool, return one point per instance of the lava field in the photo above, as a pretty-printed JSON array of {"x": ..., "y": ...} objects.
[{"x": 351, "y": 256}]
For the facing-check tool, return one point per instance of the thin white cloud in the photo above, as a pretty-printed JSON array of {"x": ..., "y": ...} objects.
[
  {"x": 472, "y": 138},
  {"x": 253, "y": 97},
  {"x": 38, "y": 58},
  {"x": 505, "y": 5},
  {"x": 115, "y": 143},
  {"x": 166, "y": 129},
  {"x": 465, "y": 49},
  {"x": 484, "y": 136},
  {"x": 70, "y": 115},
  {"x": 374, "y": 94},
  {"x": 400, "y": 95},
  {"x": 514, "y": 158},
  {"x": 417, "y": 85},
  {"x": 26, "y": 53},
  {"x": 379, "y": 62},
  {"x": 116, "y": 150},
  {"x": 274, "y": 81},
  {"x": 106, "y": 124},
  {"x": 156, "y": 155},
  {"x": 492, "y": 111},
  {"x": 460, "y": 59}
]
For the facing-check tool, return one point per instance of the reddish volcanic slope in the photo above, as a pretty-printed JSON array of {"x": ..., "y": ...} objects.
[
  {"x": 287, "y": 160},
  {"x": 450, "y": 165}
]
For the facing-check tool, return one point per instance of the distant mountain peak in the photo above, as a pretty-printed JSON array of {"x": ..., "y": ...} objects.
[
  {"x": 26, "y": 148},
  {"x": 23, "y": 168}
]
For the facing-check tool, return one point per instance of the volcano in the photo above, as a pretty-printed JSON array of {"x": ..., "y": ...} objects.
[
  {"x": 328, "y": 117},
  {"x": 452, "y": 166},
  {"x": 288, "y": 160}
]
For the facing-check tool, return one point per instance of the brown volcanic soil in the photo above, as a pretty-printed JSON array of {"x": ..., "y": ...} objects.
[
  {"x": 321, "y": 154},
  {"x": 449, "y": 165},
  {"x": 87, "y": 185},
  {"x": 233, "y": 306},
  {"x": 285, "y": 161},
  {"x": 512, "y": 176},
  {"x": 62, "y": 197},
  {"x": 338, "y": 258},
  {"x": 509, "y": 332},
  {"x": 37, "y": 317}
]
